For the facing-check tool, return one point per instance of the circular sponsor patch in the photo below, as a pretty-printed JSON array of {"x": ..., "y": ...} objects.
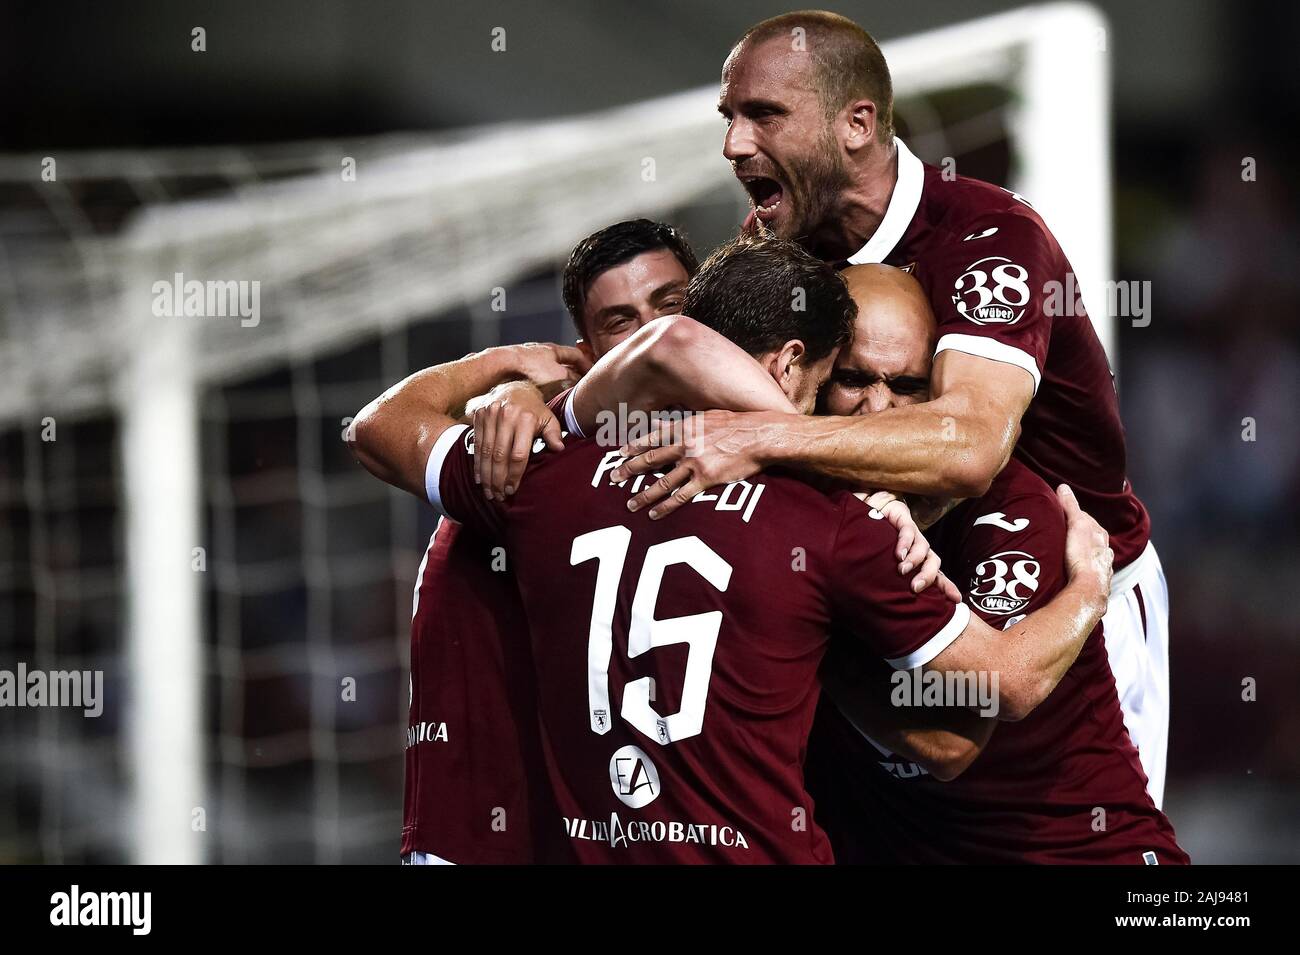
[
  {"x": 992, "y": 291},
  {"x": 1004, "y": 583},
  {"x": 634, "y": 777}
]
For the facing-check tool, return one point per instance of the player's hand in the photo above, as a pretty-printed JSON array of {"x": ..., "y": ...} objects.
[
  {"x": 505, "y": 426},
  {"x": 544, "y": 363},
  {"x": 1088, "y": 556},
  {"x": 703, "y": 451},
  {"x": 948, "y": 588},
  {"x": 913, "y": 550}
]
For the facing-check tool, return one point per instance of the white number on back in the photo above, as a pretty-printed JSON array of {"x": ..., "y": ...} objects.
[{"x": 609, "y": 546}]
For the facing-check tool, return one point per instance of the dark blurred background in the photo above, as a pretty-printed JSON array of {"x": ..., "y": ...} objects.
[{"x": 1198, "y": 87}]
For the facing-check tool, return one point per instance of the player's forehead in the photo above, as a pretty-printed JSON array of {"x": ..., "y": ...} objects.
[
  {"x": 635, "y": 279},
  {"x": 771, "y": 69},
  {"x": 885, "y": 357},
  {"x": 888, "y": 341}
]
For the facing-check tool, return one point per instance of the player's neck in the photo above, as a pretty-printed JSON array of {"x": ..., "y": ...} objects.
[{"x": 861, "y": 207}]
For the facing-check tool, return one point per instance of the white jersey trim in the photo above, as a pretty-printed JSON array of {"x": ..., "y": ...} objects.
[
  {"x": 991, "y": 348},
  {"x": 903, "y": 203},
  {"x": 936, "y": 644},
  {"x": 433, "y": 469},
  {"x": 1126, "y": 578},
  {"x": 419, "y": 574},
  {"x": 570, "y": 420}
]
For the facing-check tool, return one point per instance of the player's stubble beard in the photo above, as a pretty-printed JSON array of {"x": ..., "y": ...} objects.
[{"x": 817, "y": 180}]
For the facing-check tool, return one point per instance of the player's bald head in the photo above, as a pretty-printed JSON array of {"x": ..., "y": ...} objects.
[
  {"x": 844, "y": 61},
  {"x": 887, "y": 364},
  {"x": 892, "y": 307}
]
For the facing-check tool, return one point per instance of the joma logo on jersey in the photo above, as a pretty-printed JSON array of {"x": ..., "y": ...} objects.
[
  {"x": 634, "y": 777},
  {"x": 992, "y": 291}
]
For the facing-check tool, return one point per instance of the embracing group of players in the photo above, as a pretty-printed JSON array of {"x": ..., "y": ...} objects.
[{"x": 724, "y": 638}]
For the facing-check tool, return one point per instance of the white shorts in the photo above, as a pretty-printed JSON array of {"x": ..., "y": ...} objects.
[
  {"x": 424, "y": 858},
  {"x": 1136, "y": 628}
]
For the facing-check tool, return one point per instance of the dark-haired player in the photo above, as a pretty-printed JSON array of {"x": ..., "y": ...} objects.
[
  {"x": 808, "y": 102},
  {"x": 473, "y": 761},
  {"x": 676, "y": 660}
]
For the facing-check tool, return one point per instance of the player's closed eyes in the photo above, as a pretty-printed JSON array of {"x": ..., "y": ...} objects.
[
  {"x": 851, "y": 379},
  {"x": 908, "y": 386}
]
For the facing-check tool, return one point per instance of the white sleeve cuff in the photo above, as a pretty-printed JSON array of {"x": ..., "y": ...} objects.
[
  {"x": 936, "y": 644},
  {"x": 991, "y": 348},
  {"x": 433, "y": 468},
  {"x": 571, "y": 422}
]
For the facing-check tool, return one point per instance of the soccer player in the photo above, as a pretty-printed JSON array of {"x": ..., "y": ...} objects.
[
  {"x": 1063, "y": 785},
  {"x": 676, "y": 660},
  {"x": 808, "y": 102},
  {"x": 475, "y": 782}
]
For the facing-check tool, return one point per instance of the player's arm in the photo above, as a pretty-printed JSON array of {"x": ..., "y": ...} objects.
[
  {"x": 995, "y": 322},
  {"x": 672, "y": 361},
  {"x": 675, "y": 361},
  {"x": 917, "y": 630},
  {"x": 1031, "y": 656},
  {"x": 951, "y": 446},
  {"x": 944, "y": 740},
  {"x": 393, "y": 435}
]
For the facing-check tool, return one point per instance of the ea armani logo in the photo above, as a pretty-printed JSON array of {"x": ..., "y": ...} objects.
[{"x": 634, "y": 777}]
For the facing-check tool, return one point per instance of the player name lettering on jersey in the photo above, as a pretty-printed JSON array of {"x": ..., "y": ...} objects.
[
  {"x": 616, "y": 833},
  {"x": 739, "y": 496}
]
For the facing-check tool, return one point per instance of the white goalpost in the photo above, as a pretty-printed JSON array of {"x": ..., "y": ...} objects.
[{"x": 347, "y": 242}]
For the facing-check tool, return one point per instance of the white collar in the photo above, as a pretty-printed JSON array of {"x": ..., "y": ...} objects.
[{"x": 902, "y": 208}]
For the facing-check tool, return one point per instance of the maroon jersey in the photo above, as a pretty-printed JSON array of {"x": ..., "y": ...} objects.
[
  {"x": 1001, "y": 288},
  {"x": 473, "y": 753},
  {"x": 1062, "y": 785},
  {"x": 676, "y": 660},
  {"x": 476, "y": 791}
]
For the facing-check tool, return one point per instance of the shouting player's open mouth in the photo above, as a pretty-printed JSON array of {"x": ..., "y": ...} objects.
[{"x": 765, "y": 193}]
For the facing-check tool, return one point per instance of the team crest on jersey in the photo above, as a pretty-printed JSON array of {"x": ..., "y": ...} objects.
[
  {"x": 992, "y": 291},
  {"x": 634, "y": 776},
  {"x": 1005, "y": 582}
]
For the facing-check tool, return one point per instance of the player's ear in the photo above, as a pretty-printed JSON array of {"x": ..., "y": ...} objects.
[
  {"x": 586, "y": 350},
  {"x": 787, "y": 358},
  {"x": 860, "y": 119}
]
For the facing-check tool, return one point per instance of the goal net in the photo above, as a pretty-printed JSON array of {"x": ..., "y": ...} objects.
[{"x": 184, "y": 335}]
